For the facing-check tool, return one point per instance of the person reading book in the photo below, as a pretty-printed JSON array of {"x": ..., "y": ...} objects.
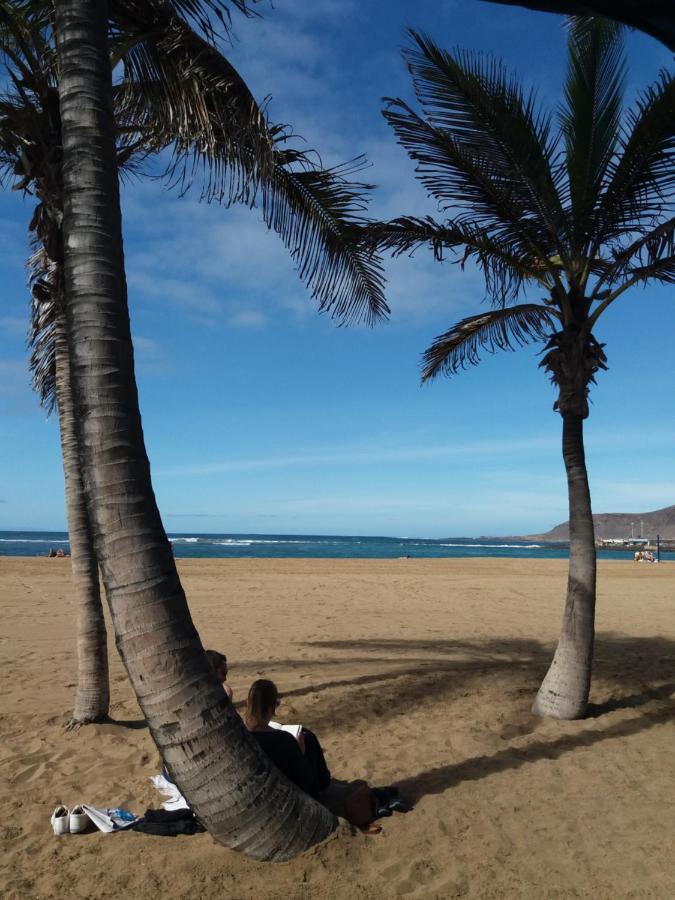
[
  {"x": 293, "y": 749},
  {"x": 357, "y": 802}
]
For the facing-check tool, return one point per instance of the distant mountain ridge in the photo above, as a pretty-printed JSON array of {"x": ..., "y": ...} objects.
[{"x": 619, "y": 525}]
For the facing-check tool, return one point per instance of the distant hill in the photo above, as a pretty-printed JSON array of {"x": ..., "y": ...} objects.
[{"x": 618, "y": 525}]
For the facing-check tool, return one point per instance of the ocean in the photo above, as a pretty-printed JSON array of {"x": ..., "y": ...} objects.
[{"x": 303, "y": 546}]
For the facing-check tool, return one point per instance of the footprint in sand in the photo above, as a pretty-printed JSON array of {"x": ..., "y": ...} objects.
[{"x": 30, "y": 773}]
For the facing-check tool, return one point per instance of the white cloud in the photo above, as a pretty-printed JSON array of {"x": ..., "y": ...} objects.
[
  {"x": 248, "y": 318},
  {"x": 150, "y": 356},
  {"x": 368, "y": 455}
]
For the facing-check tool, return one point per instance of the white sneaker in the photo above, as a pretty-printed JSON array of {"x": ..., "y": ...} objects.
[
  {"x": 79, "y": 820},
  {"x": 60, "y": 820}
]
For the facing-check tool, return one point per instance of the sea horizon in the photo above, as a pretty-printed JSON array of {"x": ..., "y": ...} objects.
[{"x": 228, "y": 545}]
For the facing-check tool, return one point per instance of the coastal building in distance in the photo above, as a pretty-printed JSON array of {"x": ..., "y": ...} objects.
[{"x": 624, "y": 531}]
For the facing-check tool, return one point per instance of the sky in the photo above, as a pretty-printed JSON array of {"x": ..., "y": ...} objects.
[{"x": 259, "y": 414}]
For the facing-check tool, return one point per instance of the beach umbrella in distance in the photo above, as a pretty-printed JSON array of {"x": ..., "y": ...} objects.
[
  {"x": 234, "y": 789},
  {"x": 654, "y": 17},
  {"x": 577, "y": 208}
]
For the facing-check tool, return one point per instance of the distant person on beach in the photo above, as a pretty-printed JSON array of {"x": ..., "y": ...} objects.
[
  {"x": 301, "y": 760},
  {"x": 218, "y": 663},
  {"x": 61, "y": 553},
  {"x": 638, "y": 556},
  {"x": 52, "y": 553}
]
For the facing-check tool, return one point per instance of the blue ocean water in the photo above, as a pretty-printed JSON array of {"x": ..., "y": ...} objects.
[{"x": 252, "y": 546}]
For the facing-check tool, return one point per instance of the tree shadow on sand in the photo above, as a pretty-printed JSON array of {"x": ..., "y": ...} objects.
[
  {"x": 398, "y": 676},
  {"x": 131, "y": 724},
  {"x": 439, "y": 779},
  {"x": 628, "y": 672}
]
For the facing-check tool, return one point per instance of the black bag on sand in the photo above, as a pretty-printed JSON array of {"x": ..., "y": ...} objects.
[{"x": 168, "y": 823}]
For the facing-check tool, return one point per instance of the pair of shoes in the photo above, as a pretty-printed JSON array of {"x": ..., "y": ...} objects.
[{"x": 69, "y": 821}]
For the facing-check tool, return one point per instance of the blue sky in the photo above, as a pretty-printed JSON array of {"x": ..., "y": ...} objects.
[{"x": 259, "y": 414}]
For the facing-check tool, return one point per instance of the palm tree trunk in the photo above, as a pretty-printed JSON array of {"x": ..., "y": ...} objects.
[
  {"x": 229, "y": 783},
  {"x": 92, "y": 697},
  {"x": 564, "y": 691}
]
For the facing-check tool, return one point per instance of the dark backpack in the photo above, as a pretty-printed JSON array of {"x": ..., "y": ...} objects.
[{"x": 169, "y": 823}]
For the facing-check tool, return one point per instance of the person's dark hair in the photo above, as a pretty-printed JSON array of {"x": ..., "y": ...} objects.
[
  {"x": 261, "y": 700},
  {"x": 216, "y": 659}
]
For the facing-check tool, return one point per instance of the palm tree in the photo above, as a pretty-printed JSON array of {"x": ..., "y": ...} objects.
[
  {"x": 160, "y": 55},
  {"x": 654, "y": 17},
  {"x": 243, "y": 801},
  {"x": 580, "y": 213},
  {"x": 30, "y": 148}
]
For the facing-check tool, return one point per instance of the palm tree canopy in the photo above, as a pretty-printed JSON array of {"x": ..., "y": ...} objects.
[
  {"x": 176, "y": 89},
  {"x": 578, "y": 205},
  {"x": 654, "y": 17},
  {"x": 179, "y": 90}
]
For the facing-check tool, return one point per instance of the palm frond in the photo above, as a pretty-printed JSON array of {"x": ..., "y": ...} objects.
[
  {"x": 503, "y": 270},
  {"x": 475, "y": 99},
  {"x": 651, "y": 256},
  {"x": 43, "y": 311},
  {"x": 502, "y": 329},
  {"x": 179, "y": 91},
  {"x": 318, "y": 214},
  {"x": 641, "y": 181},
  {"x": 456, "y": 177},
  {"x": 200, "y": 13},
  {"x": 590, "y": 117}
]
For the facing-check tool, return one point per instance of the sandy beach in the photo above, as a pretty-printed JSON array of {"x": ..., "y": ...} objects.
[{"x": 415, "y": 672}]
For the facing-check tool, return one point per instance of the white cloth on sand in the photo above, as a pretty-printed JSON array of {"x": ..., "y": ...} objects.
[{"x": 174, "y": 798}]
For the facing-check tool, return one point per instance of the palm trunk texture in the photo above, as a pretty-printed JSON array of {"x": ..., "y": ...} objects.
[
  {"x": 564, "y": 691},
  {"x": 244, "y": 802},
  {"x": 92, "y": 697}
]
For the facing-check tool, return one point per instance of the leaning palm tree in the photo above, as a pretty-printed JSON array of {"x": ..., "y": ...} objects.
[
  {"x": 242, "y": 799},
  {"x": 580, "y": 213}
]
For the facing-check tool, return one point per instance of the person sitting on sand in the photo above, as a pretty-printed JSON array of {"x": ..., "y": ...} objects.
[
  {"x": 218, "y": 663},
  {"x": 301, "y": 760}
]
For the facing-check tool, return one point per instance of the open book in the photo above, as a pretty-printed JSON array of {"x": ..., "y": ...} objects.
[{"x": 293, "y": 730}]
